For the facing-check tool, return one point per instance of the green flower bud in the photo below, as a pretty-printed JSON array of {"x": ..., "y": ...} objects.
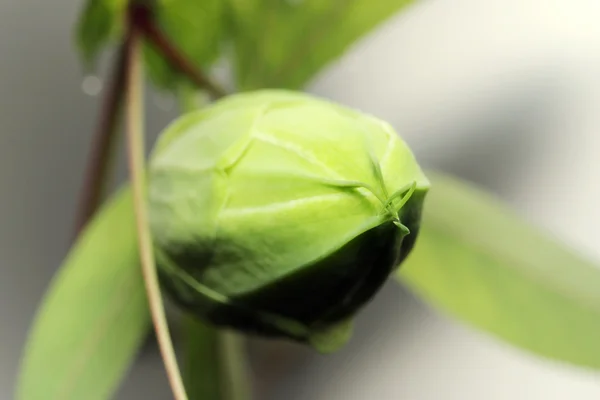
[{"x": 280, "y": 214}]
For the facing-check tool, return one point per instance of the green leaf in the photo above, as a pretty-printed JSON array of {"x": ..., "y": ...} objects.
[
  {"x": 101, "y": 22},
  {"x": 282, "y": 43},
  {"x": 479, "y": 262},
  {"x": 196, "y": 28},
  {"x": 94, "y": 316}
]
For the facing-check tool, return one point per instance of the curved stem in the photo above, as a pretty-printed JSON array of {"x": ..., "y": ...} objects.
[{"x": 135, "y": 140}]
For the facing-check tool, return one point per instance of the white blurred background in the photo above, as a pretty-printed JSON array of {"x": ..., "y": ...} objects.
[{"x": 505, "y": 93}]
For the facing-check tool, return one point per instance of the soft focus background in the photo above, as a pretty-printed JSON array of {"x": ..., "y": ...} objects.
[{"x": 502, "y": 92}]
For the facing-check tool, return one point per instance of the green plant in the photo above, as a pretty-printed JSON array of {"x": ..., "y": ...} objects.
[{"x": 473, "y": 259}]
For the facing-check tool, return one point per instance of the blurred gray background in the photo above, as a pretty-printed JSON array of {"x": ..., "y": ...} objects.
[{"x": 502, "y": 92}]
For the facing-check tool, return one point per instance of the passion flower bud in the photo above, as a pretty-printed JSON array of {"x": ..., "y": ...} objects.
[{"x": 280, "y": 214}]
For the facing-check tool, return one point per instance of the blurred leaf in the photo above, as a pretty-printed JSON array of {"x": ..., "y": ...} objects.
[
  {"x": 477, "y": 261},
  {"x": 196, "y": 28},
  {"x": 94, "y": 316},
  {"x": 283, "y": 43},
  {"x": 101, "y": 22}
]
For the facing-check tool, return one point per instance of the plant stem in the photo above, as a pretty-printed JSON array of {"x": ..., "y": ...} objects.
[
  {"x": 103, "y": 144},
  {"x": 143, "y": 19},
  {"x": 235, "y": 382},
  {"x": 200, "y": 359},
  {"x": 135, "y": 139}
]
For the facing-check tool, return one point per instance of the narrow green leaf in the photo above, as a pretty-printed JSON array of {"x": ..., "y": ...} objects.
[
  {"x": 480, "y": 263},
  {"x": 101, "y": 22},
  {"x": 196, "y": 28},
  {"x": 94, "y": 316},
  {"x": 284, "y": 43}
]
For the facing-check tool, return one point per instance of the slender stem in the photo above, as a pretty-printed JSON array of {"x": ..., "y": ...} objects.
[
  {"x": 135, "y": 139},
  {"x": 103, "y": 144},
  {"x": 200, "y": 359},
  {"x": 235, "y": 382},
  {"x": 145, "y": 22}
]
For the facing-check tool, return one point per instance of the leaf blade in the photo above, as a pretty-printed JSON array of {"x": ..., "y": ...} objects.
[
  {"x": 94, "y": 315},
  {"x": 284, "y": 43},
  {"x": 478, "y": 262}
]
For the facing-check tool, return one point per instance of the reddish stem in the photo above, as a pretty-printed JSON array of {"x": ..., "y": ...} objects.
[
  {"x": 103, "y": 143},
  {"x": 144, "y": 21},
  {"x": 104, "y": 138}
]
